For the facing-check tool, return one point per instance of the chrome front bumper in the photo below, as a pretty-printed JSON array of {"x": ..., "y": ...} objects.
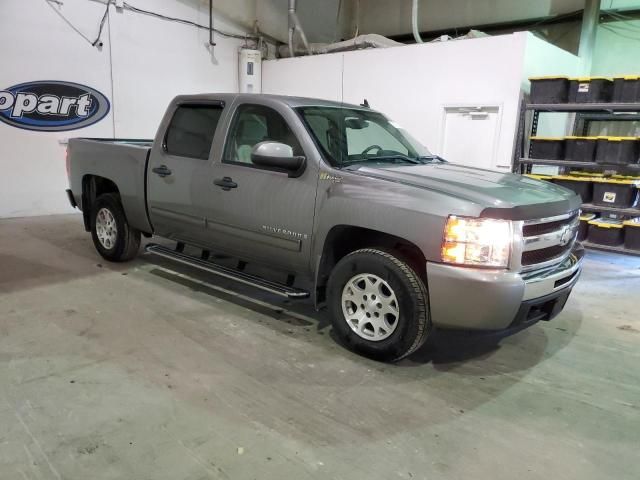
[
  {"x": 477, "y": 299},
  {"x": 547, "y": 282}
]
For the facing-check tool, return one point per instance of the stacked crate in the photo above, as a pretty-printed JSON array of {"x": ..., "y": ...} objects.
[
  {"x": 603, "y": 170},
  {"x": 562, "y": 89},
  {"x": 610, "y": 191}
]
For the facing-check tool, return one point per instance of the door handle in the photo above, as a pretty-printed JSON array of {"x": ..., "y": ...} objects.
[
  {"x": 162, "y": 171},
  {"x": 226, "y": 183}
]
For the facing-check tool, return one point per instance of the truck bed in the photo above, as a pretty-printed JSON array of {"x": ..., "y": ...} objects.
[
  {"x": 123, "y": 162},
  {"x": 134, "y": 142}
]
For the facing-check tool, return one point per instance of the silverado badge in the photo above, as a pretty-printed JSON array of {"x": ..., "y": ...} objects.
[{"x": 329, "y": 177}]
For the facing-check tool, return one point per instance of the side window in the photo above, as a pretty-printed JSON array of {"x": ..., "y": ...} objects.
[
  {"x": 373, "y": 134},
  {"x": 191, "y": 130},
  {"x": 254, "y": 124},
  {"x": 324, "y": 126},
  {"x": 320, "y": 126}
]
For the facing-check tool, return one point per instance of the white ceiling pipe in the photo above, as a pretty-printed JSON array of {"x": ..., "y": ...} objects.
[
  {"x": 291, "y": 41},
  {"x": 371, "y": 40},
  {"x": 414, "y": 22},
  {"x": 292, "y": 11},
  {"x": 294, "y": 24}
]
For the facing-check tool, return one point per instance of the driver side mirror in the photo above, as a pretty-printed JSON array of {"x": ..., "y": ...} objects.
[{"x": 278, "y": 156}]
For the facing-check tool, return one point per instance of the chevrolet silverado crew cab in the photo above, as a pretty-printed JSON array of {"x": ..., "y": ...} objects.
[{"x": 338, "y": 203}]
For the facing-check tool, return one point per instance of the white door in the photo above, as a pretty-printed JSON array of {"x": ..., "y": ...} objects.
[{"x": 470, "y": 136}]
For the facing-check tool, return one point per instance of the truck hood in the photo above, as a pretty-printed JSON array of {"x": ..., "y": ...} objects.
[{"x": 503, "y": 195}]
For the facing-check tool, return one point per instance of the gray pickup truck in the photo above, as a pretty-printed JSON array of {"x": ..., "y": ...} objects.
[{"x": 337, "y": 203}]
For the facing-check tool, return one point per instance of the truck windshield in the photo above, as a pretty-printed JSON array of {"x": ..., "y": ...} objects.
[{"x": 349, "y": 136}]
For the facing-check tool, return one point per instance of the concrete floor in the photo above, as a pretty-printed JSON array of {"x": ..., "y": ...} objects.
[{"x": 134, "y": 372}]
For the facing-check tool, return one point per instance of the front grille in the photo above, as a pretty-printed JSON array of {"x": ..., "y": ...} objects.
[
  {"x": 542, "y": 228},
  {"x": 544, "y": 254},
  {"x": 543, "y": 241}
]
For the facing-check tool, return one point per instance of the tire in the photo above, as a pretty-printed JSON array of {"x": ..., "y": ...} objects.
[
  {"x": 406, "y": 326},
  {"x": 123, "y": 241}
]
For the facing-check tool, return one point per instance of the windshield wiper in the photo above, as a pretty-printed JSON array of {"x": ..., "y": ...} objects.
[
  {"x": 398, "y": 157},
  {"x": 383, "y": 158},
  {"x": 431, "y": 158}
]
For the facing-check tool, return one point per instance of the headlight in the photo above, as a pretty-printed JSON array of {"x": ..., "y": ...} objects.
[{"x": 477, "y": 242}]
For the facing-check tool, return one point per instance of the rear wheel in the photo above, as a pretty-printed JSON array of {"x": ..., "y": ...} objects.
[
  {"x": 379, "y": 304},
  {"x": 112, "y": 236}
]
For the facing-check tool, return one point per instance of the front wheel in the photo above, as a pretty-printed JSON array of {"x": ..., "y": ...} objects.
[
  {"x": 112, "y": 236},
  {"x": 379, "y": 305}
]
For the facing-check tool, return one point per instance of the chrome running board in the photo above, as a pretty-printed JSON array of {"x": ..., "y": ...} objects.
[{"x": 226, "y": 272}]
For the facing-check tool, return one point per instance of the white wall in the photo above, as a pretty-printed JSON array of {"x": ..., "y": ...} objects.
[
  {"x": 151, "y": 61},
  {"x": 319, "y": 76},
  {"x": 155, "y": 60},
  {"x": 33, "y": 176},
  {"x": 414, "y": 83}
]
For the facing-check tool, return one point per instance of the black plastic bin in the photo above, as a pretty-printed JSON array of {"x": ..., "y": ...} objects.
[
  {"x": 549, "y": 89},
  {"x": 590, "y": 90},
  {"x": 583, "y": 186},
  {"x": 626, "y": 89},
  {"x": 632, "y": 234},
  {"x": 538, "y": 176},
  {"x": 591, "y": 175},
  {"x": 605, "y": 231},
  {"x": 615, "y": 193},
  {"x": 617, "y": 150},
  {"x": 580, "y": 149},
  {"x": 549, "y": 148},
  {"x": 583, "y": 229}
]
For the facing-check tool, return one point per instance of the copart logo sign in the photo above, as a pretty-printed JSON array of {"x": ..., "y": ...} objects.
[{"x": 52, "y": 106}]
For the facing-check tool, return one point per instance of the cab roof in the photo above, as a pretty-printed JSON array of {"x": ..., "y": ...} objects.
[{"x": 292, "y": 102}]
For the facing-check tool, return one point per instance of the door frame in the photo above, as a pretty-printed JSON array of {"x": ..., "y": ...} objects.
[{"x": 447, "y": 107}]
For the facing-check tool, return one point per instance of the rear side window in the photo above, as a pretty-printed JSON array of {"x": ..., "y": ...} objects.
[{"x": 191, "y": 130}]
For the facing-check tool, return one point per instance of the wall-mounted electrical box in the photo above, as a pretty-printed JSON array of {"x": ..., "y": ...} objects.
[{"x": 250, "y": 71}]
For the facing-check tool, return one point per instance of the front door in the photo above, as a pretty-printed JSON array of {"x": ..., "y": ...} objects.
[{"x": 262, "y": 214}]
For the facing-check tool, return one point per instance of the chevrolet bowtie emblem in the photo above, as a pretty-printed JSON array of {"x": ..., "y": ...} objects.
[{"x": 567, "y": 235}]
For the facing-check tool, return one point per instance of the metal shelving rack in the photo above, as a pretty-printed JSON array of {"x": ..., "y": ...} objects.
[
  {"x": 608, "y": 248},
  {"x": 584, "y": 113}
]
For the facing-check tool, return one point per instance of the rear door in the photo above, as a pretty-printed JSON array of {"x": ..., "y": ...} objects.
[
  {"x": 178, "y": 162},
  {"x": 266, "y": 216}
]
